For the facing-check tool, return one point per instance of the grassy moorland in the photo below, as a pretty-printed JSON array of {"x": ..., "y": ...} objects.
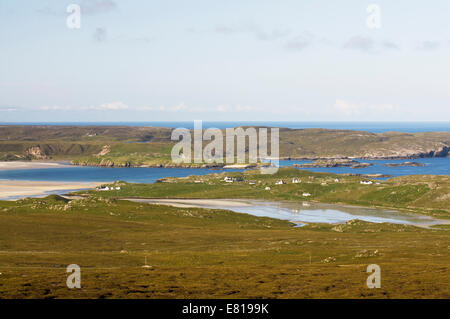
[
  {"x": 420, "y": 194},
  {"x": 198, "y": 253},
  {"x": 135, "y": 146}
]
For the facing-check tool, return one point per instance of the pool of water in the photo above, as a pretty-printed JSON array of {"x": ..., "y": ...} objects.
[{"x": 305, "y": 212}]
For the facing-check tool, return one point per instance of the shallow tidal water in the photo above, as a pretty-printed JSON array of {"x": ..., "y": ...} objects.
[{"x": 306, "y": 212}]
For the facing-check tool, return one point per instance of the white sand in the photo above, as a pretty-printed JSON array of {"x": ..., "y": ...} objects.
[
  {"x": 193, "y": 202},
  {"x": 29, "y": 165},
  {"x": 34, "y": 188}
]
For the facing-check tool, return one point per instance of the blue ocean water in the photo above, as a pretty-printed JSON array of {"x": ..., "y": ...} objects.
[
  {"x": 433, "y": 166},
  {"x": 102, "y": 174},
  {"x": 374, "y": 127}
]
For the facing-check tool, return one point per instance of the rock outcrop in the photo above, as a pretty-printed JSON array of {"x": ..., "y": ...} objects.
[
  {"x": 334, "y": 163},
  {"x": 36, "y": 153},
  {"x": 404, "y": 164},
  {"x": 105, "y": 150}
]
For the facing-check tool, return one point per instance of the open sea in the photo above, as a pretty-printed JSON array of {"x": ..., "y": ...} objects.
[{"x": 374, "y": 127}]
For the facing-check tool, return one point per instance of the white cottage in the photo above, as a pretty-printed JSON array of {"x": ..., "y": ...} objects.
[{"x": 228, "y": 179}]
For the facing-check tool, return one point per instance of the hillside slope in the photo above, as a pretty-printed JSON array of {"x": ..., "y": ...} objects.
[{"x": 128, "y": 146}]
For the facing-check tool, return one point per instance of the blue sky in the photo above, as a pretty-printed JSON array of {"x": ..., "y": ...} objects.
[{"x": 228, "y": 60}]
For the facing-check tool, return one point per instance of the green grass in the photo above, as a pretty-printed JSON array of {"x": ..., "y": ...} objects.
[
  {"x": 198, "y": 253},
  {"x": 418, "y": 194},
  {"x": 82, "y": 143}
]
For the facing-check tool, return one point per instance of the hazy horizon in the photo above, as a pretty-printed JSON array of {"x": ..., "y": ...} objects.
[{"x": 255, "y": 60}]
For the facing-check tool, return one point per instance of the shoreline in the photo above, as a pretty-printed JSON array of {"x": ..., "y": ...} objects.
[
  {"x": 230, "y": 203},
  {"x": 13, "y": 189},
  {"x": 13, "y": 165},
  {"x": 16, "y": 165},
  {"x": 254, "y": 166}
]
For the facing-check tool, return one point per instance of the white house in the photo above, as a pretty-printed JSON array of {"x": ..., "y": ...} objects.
[
  {"x": 306, "y": 194},
  {"x": 228, "y": 179},
  {"x": 118, "y": 188},
  {"x": 336, "y": 180},
  {"x": 295, "y": 180},
  {"x": 280, "y": 182},
  {"x": 251, "y": 183},
  {"x": 366, "y": 182},
  {"x": 267, "y": 188}
]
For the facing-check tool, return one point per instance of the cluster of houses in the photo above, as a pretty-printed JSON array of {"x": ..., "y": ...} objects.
[
  {"x": 295, "y": 180},
  {"x": 228, "y": 179},
  {"x": 369, "y": 183},
  {"x": 107, "y": 188}
]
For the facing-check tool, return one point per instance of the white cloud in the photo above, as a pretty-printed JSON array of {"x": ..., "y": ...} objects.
[
  {"x": 344, "y": 107},
  {"x": 359, "y": 43},
  {"x": 222, "y": 108},
  {"x": 257, "y": 31},
  {"x": 112, "y": 106},
  {"x": 387, "y": 44},
  {"x": 246, "y": 108},
  {"x": 300, "y": 42},
  {"x": 428, "y": 45},
  {"x": 101, "y": 107},
  {"x": 100, "y": 35},
  {"x": 97, "y": 6},
  {"x": 88, "y": 7},
  {"x": 237, "y": 108},
  {"x": 56, "y": 108},
  {"x": 8, "y": 109},
  {"x": 150, "y": 108},
  {"x": 181, "y": 107}
]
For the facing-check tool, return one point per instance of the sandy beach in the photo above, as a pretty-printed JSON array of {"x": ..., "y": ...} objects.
[
  {"x": 15, "y": 189},
  {"x": 29, "y": 165}
]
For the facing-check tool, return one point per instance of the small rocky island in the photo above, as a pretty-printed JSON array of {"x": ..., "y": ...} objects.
[
  {"x": 334, "y": 163},
  {"x": 404, "y": 164}
]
